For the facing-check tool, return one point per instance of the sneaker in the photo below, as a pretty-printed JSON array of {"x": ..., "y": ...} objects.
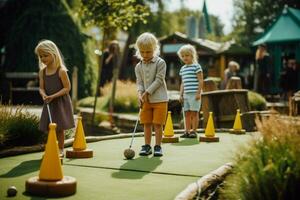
[
  {"x": 146, "y": 150},
  {"x": 192, "y": 135},
  {"x": 185, "y": 135},
  {"x": 157, "y": 151}
]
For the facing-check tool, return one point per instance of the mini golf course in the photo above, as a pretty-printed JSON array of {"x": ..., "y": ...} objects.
[{"x": 109, "y": 176}]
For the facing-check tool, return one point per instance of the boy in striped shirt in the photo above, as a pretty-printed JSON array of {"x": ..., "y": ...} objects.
[{"x": 190, "y": 89}]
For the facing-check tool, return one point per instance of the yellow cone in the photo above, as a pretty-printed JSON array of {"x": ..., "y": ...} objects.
[
  {"x": 210, "y": 129},
  {"x": 237, "y": 126},
  {"x": 79, "y": 143},
  {"x": 168, "y": 131},
  {"x": 51, "y": 167},
  {"x": 237, "y": 122}
]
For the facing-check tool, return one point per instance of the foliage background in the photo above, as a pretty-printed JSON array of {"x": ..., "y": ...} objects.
[
  {"x": 269, "y": 167},
  {"x": 24, "y": 23},
  {"x": 19, "y": 127},
  {"x": 252, "y": 17}
]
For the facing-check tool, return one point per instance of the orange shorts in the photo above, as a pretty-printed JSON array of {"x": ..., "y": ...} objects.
[{"x": 154, "y": 113}]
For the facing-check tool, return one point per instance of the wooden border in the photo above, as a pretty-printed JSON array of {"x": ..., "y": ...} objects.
[{"x": 204, "y": 182}]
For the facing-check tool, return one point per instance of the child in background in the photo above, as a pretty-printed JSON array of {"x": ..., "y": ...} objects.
[
  {"x": 152, "y": 91},
  {"x": 229, "y": 72},
  {"x": 54, "y": 89},
  {"x": 190, "y": 89}
]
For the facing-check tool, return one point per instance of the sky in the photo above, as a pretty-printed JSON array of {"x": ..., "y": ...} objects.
[{"x": 221, "y": 8}]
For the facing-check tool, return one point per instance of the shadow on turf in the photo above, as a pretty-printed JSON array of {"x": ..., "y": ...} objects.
[
  {"x": 137, "y": 168},
  {"x": 25, "y": 167},
  {"x": 187, "y": 142},
  {"x": 35, "y": 197}
]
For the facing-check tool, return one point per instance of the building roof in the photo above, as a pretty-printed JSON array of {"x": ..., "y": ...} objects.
[
  {"x": 231, "y": 48},
  {"x": 173, "y": 42},
  {"x": 285, "y": 29}
]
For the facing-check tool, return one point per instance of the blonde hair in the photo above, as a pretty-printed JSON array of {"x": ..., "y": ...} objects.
[
  {"x": 260, "y": 52},
  {"x": 50, "y": 47},
  {"x": 190, "y": 50},
  {"x": 148, "y": 41},
  {"x": 233, "y": 63}
]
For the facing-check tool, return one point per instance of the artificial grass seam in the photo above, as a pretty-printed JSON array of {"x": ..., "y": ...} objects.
[{"x": 134, "y": 170}]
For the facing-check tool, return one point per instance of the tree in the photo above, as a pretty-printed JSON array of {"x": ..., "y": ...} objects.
[
  {"x": 111, "y": 15},
  {"x": 23, "y": 23},
  {"x": 252, "y": 17}
]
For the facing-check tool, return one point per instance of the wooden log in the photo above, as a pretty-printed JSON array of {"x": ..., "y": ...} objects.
[{"x": 202, "y": 184}]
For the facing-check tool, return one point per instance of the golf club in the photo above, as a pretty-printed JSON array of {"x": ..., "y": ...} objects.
[
  {"x": 49, "y": 114},
  {"x": 50, "y": 118},
  {"x": 183, "y": 114},
  {"x": 129, "y": 153},
  {"x": 133, "y": 134}
]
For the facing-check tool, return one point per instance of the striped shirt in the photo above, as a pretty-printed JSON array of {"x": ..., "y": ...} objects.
[{"x": 189, "y": 78}]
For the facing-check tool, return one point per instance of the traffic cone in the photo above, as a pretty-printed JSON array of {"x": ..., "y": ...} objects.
[
  {"x": 168, "y": 136},
  {"x": 79, "y": 141},
  {"x": 209, "y": 135},
  {"x": 79, "y": 145},
  {"x": 237, "y": 126},
  {"x": 51, "y": 181},
  {"x": 51, "y": 158}
]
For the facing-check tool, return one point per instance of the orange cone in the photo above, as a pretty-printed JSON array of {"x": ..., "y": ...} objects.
[
  {"x": 51, "y": 182},
  {"x": 168, "y": 136},
  {"x": 237, "y": 126},
  {"x": 79, "y": 145},
  {"x": 51, "y": 158},
  {"x": 79, "y": 141},
  {"x": 209, "y": 135}
]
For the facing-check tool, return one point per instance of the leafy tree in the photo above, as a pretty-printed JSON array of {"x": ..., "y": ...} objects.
[
  {"x": 252, "y": 17},
  {"x": 113, "y": 14},
  {"x": 23, "y": 23}
]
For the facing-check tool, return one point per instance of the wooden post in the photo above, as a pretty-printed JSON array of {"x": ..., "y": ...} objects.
[
  {"x": 222, "y": 66},
  {"x": 118, "y": 60},
  {"x": 294, "y": 107},
  {"x": 116, "y": 65},
  {"x": 209, "y": 85},
  {"x": 100, "y": 62},
  {"x": 234, "y": 83},
  {"x": 74, "y": 87}
]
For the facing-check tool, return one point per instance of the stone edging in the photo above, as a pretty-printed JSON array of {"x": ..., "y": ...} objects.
[{"x": 202, "y": 184}]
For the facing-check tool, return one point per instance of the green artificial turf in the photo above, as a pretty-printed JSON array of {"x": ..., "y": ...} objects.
[{"x": 109, "y": 176}]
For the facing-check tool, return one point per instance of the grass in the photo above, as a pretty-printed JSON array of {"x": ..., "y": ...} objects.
[
  {"x": 18, "y": 127},
  {"x": 269, "y": 168}
]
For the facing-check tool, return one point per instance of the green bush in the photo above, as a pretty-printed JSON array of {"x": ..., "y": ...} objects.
[
  {"x": 125, "y": 100},
  {"x": 270, "y": 167},
  {"x": 18, "y": 127},
  {"x": 256, "y": 101}
]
